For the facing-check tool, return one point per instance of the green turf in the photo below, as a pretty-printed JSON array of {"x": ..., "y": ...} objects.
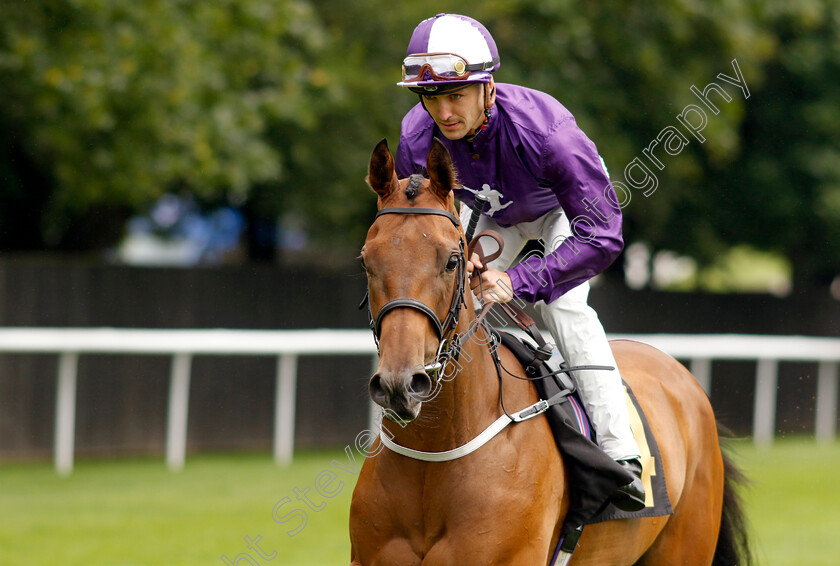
[
  {"x": 135, "y": 512},
  {"x": 131, "y": 513},
  {"x": 793, "y": 503}
]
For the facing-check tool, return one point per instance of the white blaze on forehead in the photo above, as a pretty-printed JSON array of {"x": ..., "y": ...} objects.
[{"x": 454, "y": 35}]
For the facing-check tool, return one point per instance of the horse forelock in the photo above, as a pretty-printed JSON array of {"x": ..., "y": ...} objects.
[
  {"x": 416, "y": 191},
  {"x": 412, "y": 188}
]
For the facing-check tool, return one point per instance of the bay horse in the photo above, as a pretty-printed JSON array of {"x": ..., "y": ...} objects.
[{"x": 504, "y": 503}]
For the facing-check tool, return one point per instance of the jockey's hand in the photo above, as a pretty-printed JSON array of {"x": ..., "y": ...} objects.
[{"x": 494, "y": 285}]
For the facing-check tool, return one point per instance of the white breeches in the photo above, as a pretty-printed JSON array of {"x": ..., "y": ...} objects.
[{"x": 576, "y": 330}]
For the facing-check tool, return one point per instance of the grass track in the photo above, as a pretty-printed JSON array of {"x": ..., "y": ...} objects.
[
  {"x": 793, "y": 502},
  {"x": 135, "y": 512}
]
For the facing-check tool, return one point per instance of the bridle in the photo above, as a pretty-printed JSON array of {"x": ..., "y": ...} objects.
[
  {"x": 449, "y": 348},
  {"x": 449, "y": 344}
]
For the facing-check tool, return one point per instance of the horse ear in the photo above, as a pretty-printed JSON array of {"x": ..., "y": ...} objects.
[
  {"x": 381, "y": 171},
  {"x": 442, "y": 175}
]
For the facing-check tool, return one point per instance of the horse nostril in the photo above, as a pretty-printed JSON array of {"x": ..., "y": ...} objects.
[
  {"x": 377, "y": 391},
  {"x": 420, "y": 386}
]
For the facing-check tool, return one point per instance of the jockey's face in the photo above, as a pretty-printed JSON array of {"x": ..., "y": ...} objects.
[{"x": 457, "y": 114}]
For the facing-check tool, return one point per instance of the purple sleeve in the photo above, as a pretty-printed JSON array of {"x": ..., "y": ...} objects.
[
  {"x": 573, "y": 169},
  {"x": 404, "y": 166},
  {"x": 415, "y": 143}
]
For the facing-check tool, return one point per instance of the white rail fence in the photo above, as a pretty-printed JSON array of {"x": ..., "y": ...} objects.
[{"x": 287, "y": 345}]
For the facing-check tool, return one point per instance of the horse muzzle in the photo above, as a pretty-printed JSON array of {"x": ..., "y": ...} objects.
[{"x": 401, "y": 394}]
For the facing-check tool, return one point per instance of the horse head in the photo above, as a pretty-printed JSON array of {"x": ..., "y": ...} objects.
[{"x": 415, "y": 264}]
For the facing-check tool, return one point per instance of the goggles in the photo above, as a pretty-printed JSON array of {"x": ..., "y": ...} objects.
[{"x": 440, "y": 66}]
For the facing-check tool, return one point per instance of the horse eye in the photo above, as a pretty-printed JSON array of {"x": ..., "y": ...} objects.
[{"x": 452, "y": 263}]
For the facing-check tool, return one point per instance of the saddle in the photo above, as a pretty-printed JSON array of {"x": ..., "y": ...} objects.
[
  {"x": 592, "y": 474},
  {"x": 595, "y": 475}
]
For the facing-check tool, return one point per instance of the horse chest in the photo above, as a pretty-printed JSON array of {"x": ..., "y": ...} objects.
[{"x": 461, "y": 512}]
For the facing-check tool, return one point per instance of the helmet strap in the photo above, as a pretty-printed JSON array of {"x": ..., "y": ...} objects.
[
  {"x": 488, "y": 97},
  {"x": 483, "y": 125}
]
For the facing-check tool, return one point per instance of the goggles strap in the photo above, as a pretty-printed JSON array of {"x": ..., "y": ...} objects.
[
  {"x": 441, "y": 88},
  {"x": 483, "y": 66}
]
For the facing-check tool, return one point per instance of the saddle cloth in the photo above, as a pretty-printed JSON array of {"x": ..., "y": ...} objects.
[{"x": 593, "y": 475}]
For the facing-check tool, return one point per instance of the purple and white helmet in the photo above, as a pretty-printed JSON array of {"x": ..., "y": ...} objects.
[{"x": 448, "y": 49}]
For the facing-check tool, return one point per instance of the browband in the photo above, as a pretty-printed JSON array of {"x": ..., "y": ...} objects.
[{"x": 409, "y": 210}]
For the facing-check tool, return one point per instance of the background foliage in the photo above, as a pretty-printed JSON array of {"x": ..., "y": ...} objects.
[{"x": 274, "y": 106}]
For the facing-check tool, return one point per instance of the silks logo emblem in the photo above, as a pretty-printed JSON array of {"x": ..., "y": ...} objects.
[{"x": 494, "y": 196}]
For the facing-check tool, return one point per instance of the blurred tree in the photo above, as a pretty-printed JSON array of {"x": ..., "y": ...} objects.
[
  {"x": 280, "y": 103},
  {"x": 110, "y": 104},
  {"x": 625, "y": 71},
  {"x": 768, "y": 172},
  {"x": 361, "y": 64},
  {"x": 783, "y": 191}
]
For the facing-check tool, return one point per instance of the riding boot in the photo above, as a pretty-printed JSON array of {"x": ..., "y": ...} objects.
[{"x": 630, "y": 497}]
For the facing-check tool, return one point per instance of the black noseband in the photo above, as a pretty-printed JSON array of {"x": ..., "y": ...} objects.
[{"x": 410, "y": 303}]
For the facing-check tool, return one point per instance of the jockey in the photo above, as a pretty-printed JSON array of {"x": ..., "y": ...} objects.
[{"x": 544, "y": 180}]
